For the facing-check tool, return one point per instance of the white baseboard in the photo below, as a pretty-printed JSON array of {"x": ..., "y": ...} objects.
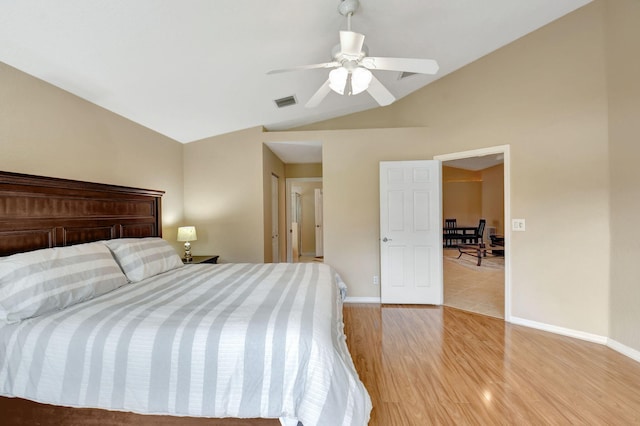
[
  {"x": 624, "y": 350},
  {"x": 351, "y": 299},
  {"x": 560, "y": 330}
]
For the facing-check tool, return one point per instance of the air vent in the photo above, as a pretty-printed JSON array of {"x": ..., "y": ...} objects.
[
  {"x": 405, "y": 74},
  {"x": 285, "y": 102}
]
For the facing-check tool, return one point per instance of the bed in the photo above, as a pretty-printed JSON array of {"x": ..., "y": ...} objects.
[{"x": 118, "y": 323}]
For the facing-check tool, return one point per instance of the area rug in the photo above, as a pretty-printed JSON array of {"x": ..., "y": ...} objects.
[{"x": 489, "y": 263}]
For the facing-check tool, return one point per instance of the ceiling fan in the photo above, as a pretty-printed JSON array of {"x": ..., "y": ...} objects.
[{"x": 351, "y": 74}]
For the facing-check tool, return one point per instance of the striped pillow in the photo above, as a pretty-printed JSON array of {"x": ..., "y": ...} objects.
[
  {"x": 141, "y": 258},
  {"x": 42, "y": 281}
]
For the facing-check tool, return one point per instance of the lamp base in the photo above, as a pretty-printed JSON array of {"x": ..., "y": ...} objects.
[{"x": 187, "y": 252}]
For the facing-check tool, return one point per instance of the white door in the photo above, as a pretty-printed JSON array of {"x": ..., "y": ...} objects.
[
  {"x": 410, "y": 236},
  {"x": 319, "y": 227},
  {"x": 275, "y": 226}
]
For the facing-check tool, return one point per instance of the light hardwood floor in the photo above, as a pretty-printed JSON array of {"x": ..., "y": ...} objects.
[
  {"x": 428, "y": 365},
  {"x": 310, "y": 259},
  {"x": 471, "y": 288},
  {"x": 438, "y": 365}
]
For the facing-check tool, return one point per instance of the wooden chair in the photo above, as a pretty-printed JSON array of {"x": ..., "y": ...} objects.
[
  {"x": 449, "y": 232},
  {"x": 476, "y": 237}
]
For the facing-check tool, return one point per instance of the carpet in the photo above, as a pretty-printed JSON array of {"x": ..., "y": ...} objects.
[{"x": 489, "y": 263}]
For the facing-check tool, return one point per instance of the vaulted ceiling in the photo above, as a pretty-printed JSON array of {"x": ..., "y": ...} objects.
[{"x": 192, "y": 69}]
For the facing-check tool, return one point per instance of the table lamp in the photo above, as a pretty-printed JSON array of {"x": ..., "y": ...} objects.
[{"x": 187, "y": 234}]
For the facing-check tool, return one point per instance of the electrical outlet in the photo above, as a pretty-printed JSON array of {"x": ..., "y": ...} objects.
[
  {"x": 517, "y": 225},
  {"x": 376, "y": 280}
]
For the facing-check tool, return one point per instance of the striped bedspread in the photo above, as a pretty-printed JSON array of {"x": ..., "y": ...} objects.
[{"x": 229, "y": 340}]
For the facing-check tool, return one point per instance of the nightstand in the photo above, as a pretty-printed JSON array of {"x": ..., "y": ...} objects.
[{"x": 202, "y": 259}]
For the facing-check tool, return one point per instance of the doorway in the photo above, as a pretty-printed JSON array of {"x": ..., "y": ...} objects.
[
  {"x": 302, "y": 217},
  {"x": 470, "y": 281}
]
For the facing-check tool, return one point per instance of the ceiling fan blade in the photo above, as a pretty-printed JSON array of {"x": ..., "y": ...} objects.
[
  {"x": 380, "y": 93},
  {"x": 317, "y": 97},
  {"x": 306, "y": 67},
  {"x": 422, "y": 66},
  {"x": 351, "y": 43}
]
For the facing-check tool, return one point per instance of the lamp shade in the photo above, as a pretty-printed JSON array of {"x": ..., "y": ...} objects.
[{"x": 187, "y": 233}]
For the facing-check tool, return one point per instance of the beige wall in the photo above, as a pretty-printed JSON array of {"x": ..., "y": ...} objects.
[
  {"x": 223, "y": 195},
  {"x": 461, "y": 196},
  {"x": 47, "y": 131},
  {"x": 303, "y": 170},
  {"x": 493, "y": 198},
  {"x": 454, "y": 174},
  {"x": 623, "y": 47},
  {"x": 545, "y": 96},
  {"x": 462, "y": 201}
]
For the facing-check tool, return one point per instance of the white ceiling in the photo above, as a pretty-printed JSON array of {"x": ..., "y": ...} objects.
[
  {"x": 192, "y": 69},
  {"x": 297, "y": 152},
  {"x": 476, "y": 163}
]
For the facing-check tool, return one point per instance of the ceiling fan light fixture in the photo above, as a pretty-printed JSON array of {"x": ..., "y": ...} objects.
[
  {"x": 338, "y": 80},
  {"x": 360, "y": 79}
]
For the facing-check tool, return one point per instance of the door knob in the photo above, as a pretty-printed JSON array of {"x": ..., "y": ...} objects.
[{"x": 385, "y": 239}]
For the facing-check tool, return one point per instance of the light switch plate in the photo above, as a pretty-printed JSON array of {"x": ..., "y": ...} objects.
[{"x": 517, "y": 225}]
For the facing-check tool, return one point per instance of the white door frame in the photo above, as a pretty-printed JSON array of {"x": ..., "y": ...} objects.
[
  {"x": 500, "y": 149},
  {"x": 275, "y": 219},
  {"x": 319, "y": 222},
  {"x": 289, "y": 182}
]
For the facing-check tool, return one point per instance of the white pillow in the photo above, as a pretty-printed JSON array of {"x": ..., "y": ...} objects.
[
  {"x": 141, "y": 258},
  {"x": 47, "y": 280}
]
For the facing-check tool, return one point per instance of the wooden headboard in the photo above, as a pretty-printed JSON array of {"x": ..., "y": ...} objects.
[{"x": 41, "y": 212}]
